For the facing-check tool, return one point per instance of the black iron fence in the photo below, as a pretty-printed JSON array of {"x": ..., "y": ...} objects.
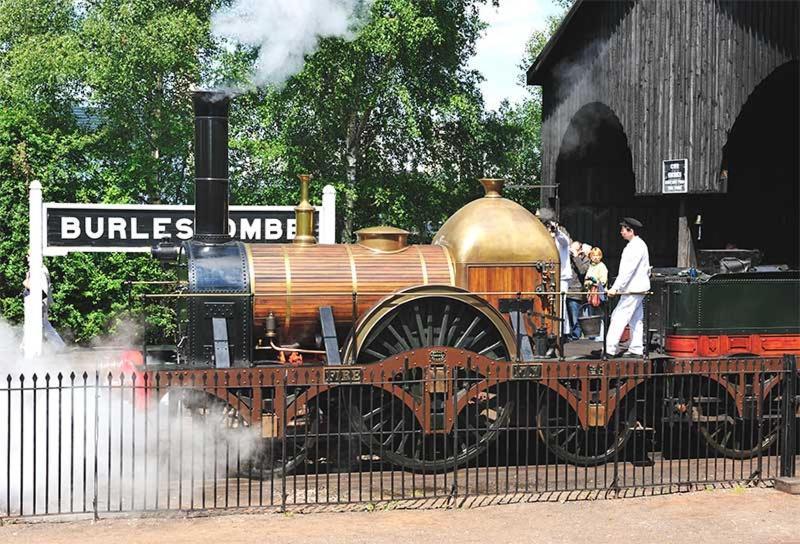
[{"x": 280, "y": 437}]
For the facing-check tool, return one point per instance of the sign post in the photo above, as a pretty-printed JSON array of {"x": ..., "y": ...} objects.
[
  {"x": 675, "y": 181},
  {"x": 32, "y": 330},
  {"x": 327, "y": 216}
]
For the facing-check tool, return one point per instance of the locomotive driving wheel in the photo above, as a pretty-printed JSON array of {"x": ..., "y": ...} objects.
[
  {"x": 432, "y": 316},
  {"x": 391, "y": 431},
  {"x": 278, "y": 456},
  {"x": 560, "y": 429},
  {"x": 728, "y": 433},
  {"x": 223, "y": 424},
  {"x": 427, "y": 316}
]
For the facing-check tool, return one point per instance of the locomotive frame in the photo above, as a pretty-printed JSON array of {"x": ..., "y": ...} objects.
[{"x": 440, "y": 387}]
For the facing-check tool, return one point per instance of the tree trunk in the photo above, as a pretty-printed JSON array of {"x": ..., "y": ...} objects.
[
  {"x": 349, "y": 195},
  {"x": 355, "y": 130}
]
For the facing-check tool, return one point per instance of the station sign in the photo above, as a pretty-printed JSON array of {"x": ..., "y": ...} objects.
[
  {"x": 675, "y": 176},
  {"x": 137, "y": 228}
]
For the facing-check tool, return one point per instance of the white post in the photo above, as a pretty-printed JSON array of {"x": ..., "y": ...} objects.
[
  {"x": 32, "y": 340},
  {"x": 327, "y": 216}
]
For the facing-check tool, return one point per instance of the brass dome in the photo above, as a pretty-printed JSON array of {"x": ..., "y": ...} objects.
[{"x": 495, "y": 230}]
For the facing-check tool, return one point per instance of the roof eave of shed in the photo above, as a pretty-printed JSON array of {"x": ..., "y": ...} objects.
[{"x": 535, "y": 74}]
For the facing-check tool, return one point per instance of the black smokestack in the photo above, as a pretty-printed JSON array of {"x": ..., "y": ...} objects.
[{"x": 211, "y": 166}]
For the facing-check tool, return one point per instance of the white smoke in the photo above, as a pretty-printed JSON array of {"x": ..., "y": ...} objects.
[
  {"x": 77, "y": 436},
  {"x": 285, "y": 31}
]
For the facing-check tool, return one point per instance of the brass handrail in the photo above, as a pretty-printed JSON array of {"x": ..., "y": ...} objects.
[{"x": 522, "y": 294}]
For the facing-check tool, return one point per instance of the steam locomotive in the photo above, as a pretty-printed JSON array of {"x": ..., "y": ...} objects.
[{"x": 403, "y": 344}]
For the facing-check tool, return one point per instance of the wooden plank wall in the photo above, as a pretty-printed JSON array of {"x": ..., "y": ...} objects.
[{"x": 676, "y": 73}]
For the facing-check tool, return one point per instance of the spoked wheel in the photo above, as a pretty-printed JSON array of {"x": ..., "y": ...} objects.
[
  {"x": 390, "y": 430},
  {"x": 413, "y": 319},
  {"x": 423, "y": 317},
  {"x": 223, "y": 425},
  {"x": 560, "y": 429},
  {"x": 210, "y": 412},
  {"x": 278, "y": 456},
  {"x": 724, "y": 431}
]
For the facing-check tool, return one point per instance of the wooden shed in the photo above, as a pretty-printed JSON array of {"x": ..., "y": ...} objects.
[{"x": 682, "y": 113}]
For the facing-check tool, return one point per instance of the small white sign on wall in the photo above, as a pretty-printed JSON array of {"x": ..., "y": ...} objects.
[{"x": 675, "y": 176}]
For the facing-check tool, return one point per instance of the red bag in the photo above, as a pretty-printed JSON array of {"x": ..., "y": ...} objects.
[{"x": 593, "y": 298}]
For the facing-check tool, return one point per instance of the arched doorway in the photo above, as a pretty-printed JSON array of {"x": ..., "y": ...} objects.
[
  {"x": 596, "y": 187},
  {"x": 761, "y": 209}
]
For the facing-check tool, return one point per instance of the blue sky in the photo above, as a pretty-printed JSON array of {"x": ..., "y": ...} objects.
[{"x": 501, "y": 47}]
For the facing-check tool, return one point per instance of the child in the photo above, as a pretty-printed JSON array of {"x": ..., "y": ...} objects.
[
  {"x": 597, "y": 276},
  {"x": 597, "y": 270}
]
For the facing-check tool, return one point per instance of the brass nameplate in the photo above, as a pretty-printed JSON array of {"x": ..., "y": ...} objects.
[
  {"x": 344, "y": 375},
  {"x": 526, "y": 372},
  {"x": 437, "y": 356},
  {"x": 595, "y": 370}
]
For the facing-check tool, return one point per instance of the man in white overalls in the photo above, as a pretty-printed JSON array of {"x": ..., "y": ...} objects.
[{"x": 633, "y": 277}]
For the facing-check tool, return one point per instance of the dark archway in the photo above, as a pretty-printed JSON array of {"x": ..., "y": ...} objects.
[
  {"x": 596, "y": 187},
  {"x": 761, "y": 209}
]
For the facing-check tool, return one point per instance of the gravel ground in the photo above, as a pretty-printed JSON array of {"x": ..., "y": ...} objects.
[{"x": 736, "y": 515}]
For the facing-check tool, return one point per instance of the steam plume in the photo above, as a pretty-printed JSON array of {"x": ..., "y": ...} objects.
[
  {"x": 75, "y": 436},
  {"x": 285, "y": 31}
]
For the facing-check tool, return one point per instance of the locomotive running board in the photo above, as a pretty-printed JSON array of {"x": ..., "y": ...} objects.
[{"x": 329, "y": 335}]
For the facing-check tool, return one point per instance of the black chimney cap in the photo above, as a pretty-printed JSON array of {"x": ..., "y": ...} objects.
[{"x": 210, "y": 103}]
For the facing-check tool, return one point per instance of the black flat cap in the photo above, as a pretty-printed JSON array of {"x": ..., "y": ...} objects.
[{"x": 631, "y": 223}]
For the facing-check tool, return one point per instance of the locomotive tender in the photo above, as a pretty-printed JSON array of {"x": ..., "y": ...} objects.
[{"x": 435, "y": 338}]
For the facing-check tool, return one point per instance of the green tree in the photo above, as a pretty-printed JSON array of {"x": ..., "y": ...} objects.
[
  {"x": 393, "y": 118},
  {"x": 94, "y": 103},
  {"x": 38, "y": 135}
]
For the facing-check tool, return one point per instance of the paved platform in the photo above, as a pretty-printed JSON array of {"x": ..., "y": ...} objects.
[
  {"x": 731, "y": 516},
  {"x": 788, "y": 485}
]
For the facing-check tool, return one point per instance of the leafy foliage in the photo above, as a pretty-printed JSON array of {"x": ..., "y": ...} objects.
[
  {"x": 393, "y": 118},
  {"x": 93, "y": 102}
]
